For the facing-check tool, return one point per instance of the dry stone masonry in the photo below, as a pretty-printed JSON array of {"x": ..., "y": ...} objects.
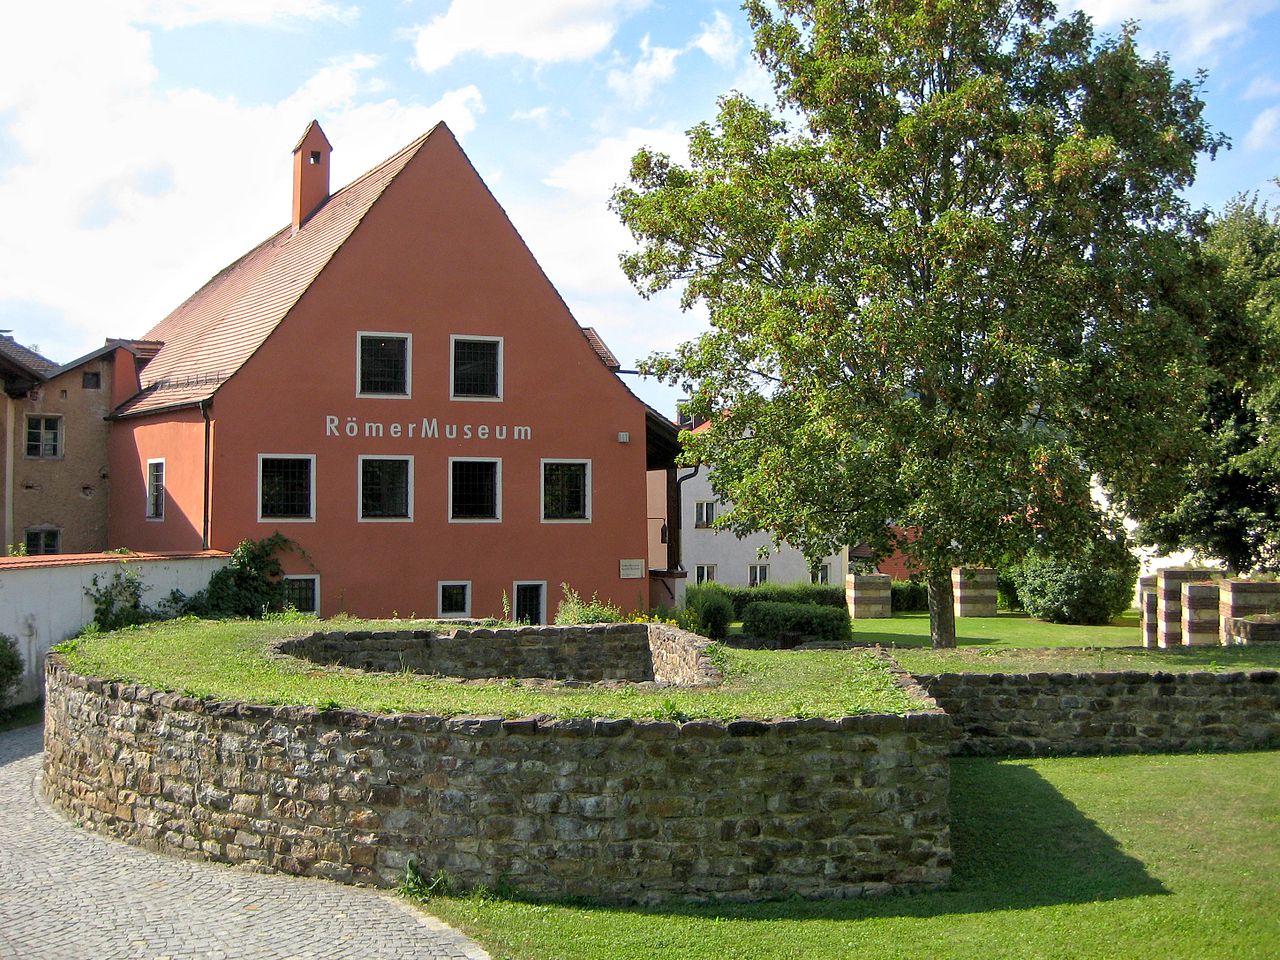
[
  {"x": 635, "y": 652},
  {"x": 1122, "y": 712},
  {"x": 617, "y": 809}
]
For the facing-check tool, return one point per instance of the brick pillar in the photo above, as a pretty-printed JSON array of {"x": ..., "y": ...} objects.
[
  {"x": 1245, "y": 598},
  {"x": 974, "y": 590},
  {"x": 1199, "y": 614},
  {"x": 1169, "y": 607},
  {"x": 1147, "y": 609},
  {"x": 869, "y": 596}
]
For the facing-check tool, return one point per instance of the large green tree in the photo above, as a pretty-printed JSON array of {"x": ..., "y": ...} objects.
[
  {"x": 1231, "y": 509},
  {"x": 950, "y": 278}
]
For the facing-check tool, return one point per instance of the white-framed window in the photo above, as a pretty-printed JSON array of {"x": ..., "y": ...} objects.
[
  {"x": 566, "y": 491},
  {"x": 44, "y": 437},
  {"x": 384, "y": 364},
  {"x": 155, "y": 489},
  {"x": 475, "y": 490},
  {"x": 385, "y": 489},
  {"x": 757, "y": 573},
  {"x": 704, "y": 513},
  {"x": 41, "y": 541},
  {"x": 705, "y": 573},
  {"x": 286, "y": 487},
  {"x": 453, "y": 599},
  {"x": 302, "y": 592},
  {"x": 820, "y": 574},
  {"x": 529, "y": 601},
  {"x": 475, "y": 367}
]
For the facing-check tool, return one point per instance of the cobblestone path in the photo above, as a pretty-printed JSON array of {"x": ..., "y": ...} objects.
[{"x": 68, "y": 894}]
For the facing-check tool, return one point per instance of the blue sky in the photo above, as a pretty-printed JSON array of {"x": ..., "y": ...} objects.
[{"x": 144, "y": 144}]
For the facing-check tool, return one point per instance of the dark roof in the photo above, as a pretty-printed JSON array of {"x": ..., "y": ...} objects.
[
  {"x": 26, "y": 357},
  {"x": 209, "y": 337}
]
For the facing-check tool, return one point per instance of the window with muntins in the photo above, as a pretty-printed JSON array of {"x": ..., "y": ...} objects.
[
  {"x": 477, "y": 368},
  {"x": 384, "y": 365},
  {"x": 43, "y": 541},
  {"x": 565, "y": 490},
  {"x": 455, "y": 599},
  {"x": 757, "y": 573},
  {"x": 384, "y": 488},
  {"x": 820, "y": 573},
  {"x": 704, "y": 513},
  {"x": 301, "y": 593},
  {"x": 44, "y": 437},
  {"x": 155, "y": 489},
  {"x": 529, "y": 602},
  {"x": 473, "y": 490},
  {"x": 705, "y": 572},
  {"x": 285, "y": 490}
]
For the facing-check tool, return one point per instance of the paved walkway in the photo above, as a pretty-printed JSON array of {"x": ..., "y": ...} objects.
[{"x": 69, "y": 894}]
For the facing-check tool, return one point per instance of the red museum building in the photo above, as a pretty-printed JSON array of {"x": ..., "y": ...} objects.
[{"x": 392, "y": 383}]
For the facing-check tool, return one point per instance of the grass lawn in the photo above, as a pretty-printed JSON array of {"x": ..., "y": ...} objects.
[
  {"x": 1167, "y": 857},
  {"x": 1065, "y": 660},
  {"x": 227, "y": 660},
  {"x": 1004, "y": 630}
]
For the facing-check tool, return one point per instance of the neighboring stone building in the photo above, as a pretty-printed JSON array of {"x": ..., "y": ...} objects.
[
  {"x": 54, "y": 429},
  {"x": 392, "y": 383}
]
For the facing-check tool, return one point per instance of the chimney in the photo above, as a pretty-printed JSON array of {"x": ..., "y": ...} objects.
[{"x": 310, "y": 173}]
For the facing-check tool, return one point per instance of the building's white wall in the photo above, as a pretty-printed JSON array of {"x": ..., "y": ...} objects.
[
  {"x": 43, "y": 605},
  {"x": 731, "y": 555}
]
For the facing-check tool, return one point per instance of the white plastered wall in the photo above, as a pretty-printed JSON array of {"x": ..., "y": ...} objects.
[{"x": 43, "y": 604}]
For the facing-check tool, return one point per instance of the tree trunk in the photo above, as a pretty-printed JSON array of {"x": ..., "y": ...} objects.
[{"x": 942, "y": 611}]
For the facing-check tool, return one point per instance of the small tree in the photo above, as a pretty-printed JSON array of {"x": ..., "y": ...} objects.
[
  {"x": 950, "y": 283},
  {"x": 11, "y": 668}
]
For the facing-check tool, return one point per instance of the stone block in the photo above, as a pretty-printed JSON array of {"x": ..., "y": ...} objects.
[
  {"x": 973, "y": 591},
  {"x": 869, "y": 596}
]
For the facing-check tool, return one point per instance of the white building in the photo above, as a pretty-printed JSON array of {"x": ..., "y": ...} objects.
[{"x": 721, "y": 556}]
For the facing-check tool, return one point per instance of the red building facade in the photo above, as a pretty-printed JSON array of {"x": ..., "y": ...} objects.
[{"x": 393, "y": 384}]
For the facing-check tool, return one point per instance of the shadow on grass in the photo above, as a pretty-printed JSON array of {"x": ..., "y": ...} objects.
[{"x": 1018, "y": 843}]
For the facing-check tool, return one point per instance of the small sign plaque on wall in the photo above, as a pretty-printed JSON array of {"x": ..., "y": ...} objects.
[{"x": 630, "y": 569}]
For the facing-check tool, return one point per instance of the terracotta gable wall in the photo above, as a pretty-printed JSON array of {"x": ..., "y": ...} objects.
[{"x": 436, "y": 256}]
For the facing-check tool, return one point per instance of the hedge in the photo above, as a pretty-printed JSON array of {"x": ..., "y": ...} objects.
[
  {"x": 786, "y": 624},
  {"x": 822, "y": 594},
  {"x": 908, "y": 596},
  {"x": 1080, "y": 591}
]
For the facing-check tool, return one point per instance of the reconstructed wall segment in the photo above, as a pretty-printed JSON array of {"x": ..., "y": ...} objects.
[
  {"x": 1123, "y": 712},
  {"x": 615, "y": 809}
]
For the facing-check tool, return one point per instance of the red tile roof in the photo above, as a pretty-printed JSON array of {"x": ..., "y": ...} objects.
[
  {"x": 219, "y": 327},
  {"x": 77, "y": 559}
]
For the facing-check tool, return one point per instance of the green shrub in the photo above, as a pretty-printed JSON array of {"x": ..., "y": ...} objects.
[
  {"x": 573, "y": 609},
  {"x": 248, "y": 586},
  {"x": 819, "y": 593},
  {"x": 715, "y": 613},
  {"x": 11, "y": 668},
  {"x": 786, "y": 624},
  {"x": 1007, "y": 589},
  {"x": 117, "y": 602},
  {"x": 908, "y": 596},
  {"x": 1091, "y": 590}
]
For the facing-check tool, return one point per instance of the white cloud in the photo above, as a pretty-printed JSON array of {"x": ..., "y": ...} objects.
[
  {"x": 185, "y": 13},
  {"x": 656, "y": 65},
  {"x": 130, "y": 195},
  {"x": 538, "y": 115},
  {"x": 718, "y": 41},
  {"x": 1262, "y": 88},
  {"x": 1200, "y": 25},
  {"x": 545, "y": 31},
  {"x": 1264, "y": 134}
]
